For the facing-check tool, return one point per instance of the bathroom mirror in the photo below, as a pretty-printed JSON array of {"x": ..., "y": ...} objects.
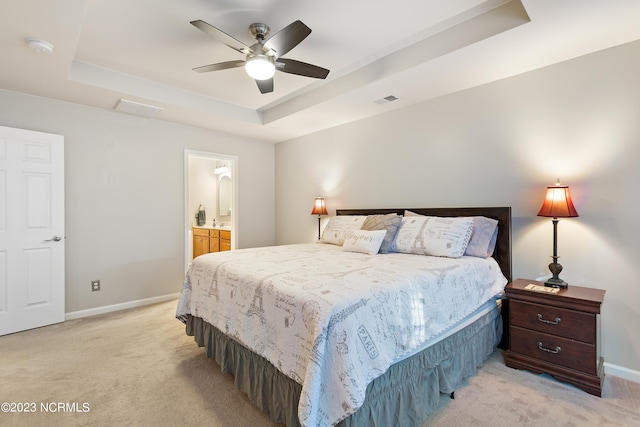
[{"x": 224, "y": 196}]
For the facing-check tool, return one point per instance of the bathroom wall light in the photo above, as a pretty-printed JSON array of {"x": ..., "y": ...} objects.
[{"x": 221, "y": 169}]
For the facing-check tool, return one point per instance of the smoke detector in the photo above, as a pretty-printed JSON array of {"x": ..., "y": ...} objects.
[{"x": 40, "y": 46}]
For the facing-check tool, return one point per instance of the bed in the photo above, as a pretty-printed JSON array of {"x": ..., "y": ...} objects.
[{"x": 328, "y": 334}]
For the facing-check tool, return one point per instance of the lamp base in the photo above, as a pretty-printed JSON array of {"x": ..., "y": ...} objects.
[{"x": 556, "y": 283}]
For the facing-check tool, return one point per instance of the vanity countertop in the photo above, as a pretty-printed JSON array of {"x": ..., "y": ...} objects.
[{"x": 217, "y": 227}]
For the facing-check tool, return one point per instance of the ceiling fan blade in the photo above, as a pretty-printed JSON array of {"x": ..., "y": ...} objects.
[
  {"x": 220, "y": 66},
  {"x": 292, "y": 66},
  {"x": 287, "y": 38},
  {"x": 222, "y": 36},
  {"x": 265, "y": 86}
]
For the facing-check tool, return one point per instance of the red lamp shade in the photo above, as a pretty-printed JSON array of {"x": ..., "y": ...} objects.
[
  {"x": 557, "y": 203},
  {"x": 319, "y": 207}
]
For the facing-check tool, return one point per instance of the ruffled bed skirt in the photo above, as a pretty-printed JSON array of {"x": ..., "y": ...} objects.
[{"x": 407, "y": 394}]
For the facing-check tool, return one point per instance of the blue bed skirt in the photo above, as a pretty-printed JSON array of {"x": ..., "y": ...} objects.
[{"x": 407, "y": 394}]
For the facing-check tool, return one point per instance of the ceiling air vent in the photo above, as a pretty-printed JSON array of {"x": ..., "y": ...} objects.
[
  {"x": 386, "y": 99},
  {"x": 136, "y": 108}
]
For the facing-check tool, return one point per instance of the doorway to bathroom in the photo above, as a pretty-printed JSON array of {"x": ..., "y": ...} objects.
[{"x": 210, "y": 203}]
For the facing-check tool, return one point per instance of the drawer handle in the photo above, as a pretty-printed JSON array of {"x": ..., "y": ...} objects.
[
  {"x": 548, "y": 350},
  {"x": 550, "y": 322}
]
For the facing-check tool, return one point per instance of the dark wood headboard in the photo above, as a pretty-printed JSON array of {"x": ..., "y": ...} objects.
[{"x": 502, "y": 253}]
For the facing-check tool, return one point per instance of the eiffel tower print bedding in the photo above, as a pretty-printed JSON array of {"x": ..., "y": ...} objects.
[{"x": 333, "y": 320}]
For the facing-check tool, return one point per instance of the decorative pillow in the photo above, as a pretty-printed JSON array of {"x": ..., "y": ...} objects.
[
  {"x": 432, "y": 235},
  {"x": 363, "y": 241},
  {"x": 483, "y": 237},
  {"x": 333, "y": 233},
  {"x": 390, "y": 223}
]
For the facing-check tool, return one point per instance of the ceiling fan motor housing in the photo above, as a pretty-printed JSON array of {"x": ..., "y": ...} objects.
[{"x": 259, "y": 31}]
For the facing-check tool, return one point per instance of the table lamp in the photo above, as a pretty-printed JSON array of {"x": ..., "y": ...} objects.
[
  {"x": 319, "y": 208},
  {"x": 557, "y": 204}
]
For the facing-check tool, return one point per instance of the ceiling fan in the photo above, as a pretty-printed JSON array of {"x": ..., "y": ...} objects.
[{"x": 265, "y": 56}]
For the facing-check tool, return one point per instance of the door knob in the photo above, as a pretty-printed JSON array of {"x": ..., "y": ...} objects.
[{"x": 55, "y": 238}]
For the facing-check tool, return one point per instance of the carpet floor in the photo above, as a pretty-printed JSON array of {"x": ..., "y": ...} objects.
[{"x": 138, "y": 368}]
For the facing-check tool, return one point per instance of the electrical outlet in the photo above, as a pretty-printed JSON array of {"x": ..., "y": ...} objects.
[{"x": 95, "y": 285}]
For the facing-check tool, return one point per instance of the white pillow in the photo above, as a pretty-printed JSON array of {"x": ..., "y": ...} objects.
[
  {"x": 432, "y": 235},
  {"x": 333, "y": 233},
  {"x": 363, "y": 241}
]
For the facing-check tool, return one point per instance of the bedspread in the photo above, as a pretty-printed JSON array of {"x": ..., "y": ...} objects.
[{"x": 334, "y": 320}]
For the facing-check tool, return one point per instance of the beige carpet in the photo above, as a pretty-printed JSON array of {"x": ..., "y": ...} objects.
[{"x": 138, "y": 368}]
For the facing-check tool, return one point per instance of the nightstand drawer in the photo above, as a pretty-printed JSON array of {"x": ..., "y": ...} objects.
[
  {"x": 560, "y": 351},
  {"x": 571, "y": 324}
]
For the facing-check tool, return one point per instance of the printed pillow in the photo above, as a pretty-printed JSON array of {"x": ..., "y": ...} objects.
[
  {"x": 483, "y": 237},
  {"x": 333, "y": 233},
  {"x": 432, "y": 235},
  {"x": 363, "y": 241},
  {"x": 390, "y": 223}
]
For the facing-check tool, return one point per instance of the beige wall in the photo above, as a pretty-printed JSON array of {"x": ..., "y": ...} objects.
[
  {"x": 500, "y": 145},
  {"x": 124, "y": 184}
]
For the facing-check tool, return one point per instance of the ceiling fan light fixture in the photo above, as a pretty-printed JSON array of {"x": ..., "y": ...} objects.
[{"x": 260, "y": 67}]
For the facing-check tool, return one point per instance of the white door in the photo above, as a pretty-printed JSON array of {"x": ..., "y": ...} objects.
[{"x": 31, "y": 229}]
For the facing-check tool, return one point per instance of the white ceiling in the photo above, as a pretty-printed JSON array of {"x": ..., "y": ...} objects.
[{"x": 144, "y": 51}]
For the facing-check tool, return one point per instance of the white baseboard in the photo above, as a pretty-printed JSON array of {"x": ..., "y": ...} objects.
[
  {"x": 621, "y": 372},
  {"x": 121, "y": 306}
]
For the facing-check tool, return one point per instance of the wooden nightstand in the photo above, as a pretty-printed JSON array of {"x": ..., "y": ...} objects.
[{"x": 556, "y": 333}]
